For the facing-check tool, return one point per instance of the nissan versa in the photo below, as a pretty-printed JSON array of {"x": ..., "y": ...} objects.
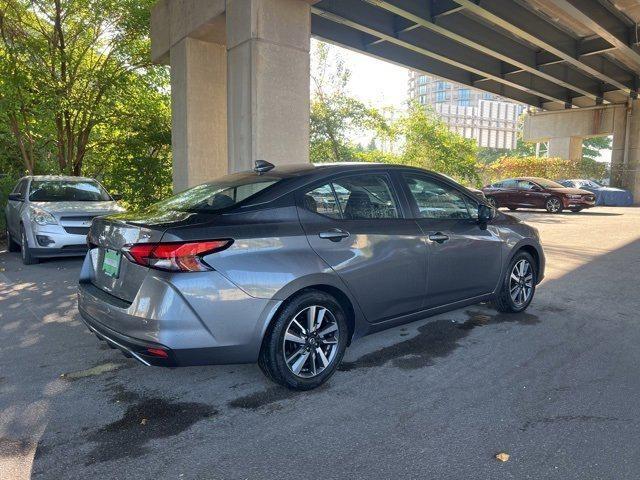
[{"x": 286, "y": 266}]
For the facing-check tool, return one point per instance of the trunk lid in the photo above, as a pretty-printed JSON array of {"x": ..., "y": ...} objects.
[{"x": 111, "y": 233}]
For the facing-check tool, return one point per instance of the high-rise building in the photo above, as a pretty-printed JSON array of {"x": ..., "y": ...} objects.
[{"x": 487, "y": 118}]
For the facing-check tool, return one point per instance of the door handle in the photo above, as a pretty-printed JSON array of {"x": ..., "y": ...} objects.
[
  {"x": 335, "y": 234},
  {"x": 438, "y": 237}
]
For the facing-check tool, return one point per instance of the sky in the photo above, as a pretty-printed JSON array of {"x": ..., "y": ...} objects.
[{"x": 374, "y": 81}]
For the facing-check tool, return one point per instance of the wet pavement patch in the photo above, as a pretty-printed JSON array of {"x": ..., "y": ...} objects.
[
  {"x": 146, "y": 420},
  {"x": 270, "y": 396},
  {"x": 436, "y": 339},
  {"x": 564, "y": 419}
]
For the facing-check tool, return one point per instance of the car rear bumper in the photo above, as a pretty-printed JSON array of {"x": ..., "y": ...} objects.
[{"x": 195, "y": 318}]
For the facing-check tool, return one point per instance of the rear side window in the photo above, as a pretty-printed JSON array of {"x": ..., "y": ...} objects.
[
  {"x": 436, "y": 200},
  {"x": 218, "y": 195},
  {"x": 356, "y": 197}
]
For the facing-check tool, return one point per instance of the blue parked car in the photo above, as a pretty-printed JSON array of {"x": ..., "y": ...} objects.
[{"x": 606, "y": 196}]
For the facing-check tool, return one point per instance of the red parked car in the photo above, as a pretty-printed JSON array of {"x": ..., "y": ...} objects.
[{"x": 531, "y": 192}]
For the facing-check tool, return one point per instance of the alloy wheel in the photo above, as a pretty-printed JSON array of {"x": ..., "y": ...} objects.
[
  {"x": 553, "y": 205},
  {"x": 521, "y": 283},
  {"x": 310, "y": 341}
]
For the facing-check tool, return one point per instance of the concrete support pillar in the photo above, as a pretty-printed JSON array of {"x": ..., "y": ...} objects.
[
  {"x": 268, "y": 81},
  {"x": 617, "y": 147},
  {"x": 569, "y": 148},
  {"x": 199, "y": 112},
  {"x": 631, "y": 172}
]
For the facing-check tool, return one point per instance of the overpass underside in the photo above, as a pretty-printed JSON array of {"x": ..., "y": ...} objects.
[{"x": 240, "y": 68}]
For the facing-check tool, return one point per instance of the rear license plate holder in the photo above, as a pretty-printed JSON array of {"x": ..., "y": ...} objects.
[{"x": 111, "y": 263}]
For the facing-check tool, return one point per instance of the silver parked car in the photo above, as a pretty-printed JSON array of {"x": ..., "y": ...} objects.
[
  {"x": 49, "y": 216},
  {"x": 286, "y": 266}
]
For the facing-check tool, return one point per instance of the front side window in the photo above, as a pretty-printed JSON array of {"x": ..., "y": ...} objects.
[
  {"x": 510, "y": 184},
  {"x": 436, "y": 200},
  {"x": 67, "y": 191},
  {"x": 356, "y": 197}
]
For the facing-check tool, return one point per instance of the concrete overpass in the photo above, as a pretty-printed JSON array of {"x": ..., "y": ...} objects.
[{"x": 240, "y": 68}]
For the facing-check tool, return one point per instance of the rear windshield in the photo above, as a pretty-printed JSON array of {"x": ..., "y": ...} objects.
[
  {"x": 547, "y": 183},
  {"x": 67, "y": 191},
  {"x": 219, "y": 194}
]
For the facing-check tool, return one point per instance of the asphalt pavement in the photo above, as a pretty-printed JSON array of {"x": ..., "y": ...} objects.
[{"x": 557, "y": 388}]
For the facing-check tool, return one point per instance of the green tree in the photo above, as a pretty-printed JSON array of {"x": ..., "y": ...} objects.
[
  {"x": 336, "y": 117},
  {"x": 63, "y": 66},
  {"x": 428, "y": 143}
]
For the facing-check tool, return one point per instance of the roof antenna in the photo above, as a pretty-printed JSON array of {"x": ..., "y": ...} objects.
[{"x": 262, "y": 166}]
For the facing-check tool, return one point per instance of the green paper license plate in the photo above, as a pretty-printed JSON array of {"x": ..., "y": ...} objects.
[{"x": 111, "y": 263}]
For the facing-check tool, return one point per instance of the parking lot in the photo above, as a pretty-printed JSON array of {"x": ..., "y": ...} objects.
[{"x": 555, "y": 387}]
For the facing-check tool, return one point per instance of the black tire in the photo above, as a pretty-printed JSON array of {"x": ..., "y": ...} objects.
[
  {"x": 576, "y": 210},
  {"x": 553, "y": 205},
  {"x": 12, "y": 246},
  {"x": 493, "y": 202},
  {"x": 504, "y": 301},
  {"x": 272, "y": 359},
  {"x": 25, "y": 251},
  {"x": 513, "y": 209}
]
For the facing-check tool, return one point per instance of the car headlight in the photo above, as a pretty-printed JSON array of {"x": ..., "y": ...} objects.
[{"x": 41, "y": 217}]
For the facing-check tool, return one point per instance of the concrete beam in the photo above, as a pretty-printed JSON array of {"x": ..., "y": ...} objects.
[
  {"x": 596, "y": 17},
  {"x": 174, "y": 20},
  {"x": 423, "y": 42},
  {"x": 581, "y": 122},
  {"x": 523, "y": 24},
  {"x": 487, "y": 41}
]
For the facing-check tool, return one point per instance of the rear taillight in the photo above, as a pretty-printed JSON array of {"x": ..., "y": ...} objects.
[{"x": 174, "y": 256}]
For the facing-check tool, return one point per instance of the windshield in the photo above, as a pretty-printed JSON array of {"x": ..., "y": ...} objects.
[
  {"x": 217, "y": 195},
  {"x": 67, "y": 191},
  {"x": 547, "y": 183},
  {"x": 589, "y": 184}
]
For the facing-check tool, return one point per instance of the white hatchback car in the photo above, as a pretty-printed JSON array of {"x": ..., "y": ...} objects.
[{"x": 50, "y": 216}]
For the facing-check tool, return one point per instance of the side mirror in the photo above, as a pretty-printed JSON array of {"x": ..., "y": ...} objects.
[
  {"x": 536, "y": 188},
  {"x": 485, "y": 213},
  {"x": 16, "y": 197},
  {"x": 117, "y": 196}
]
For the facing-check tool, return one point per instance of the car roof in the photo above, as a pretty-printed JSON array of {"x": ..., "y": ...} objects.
[{"x": 64, "y": 178}]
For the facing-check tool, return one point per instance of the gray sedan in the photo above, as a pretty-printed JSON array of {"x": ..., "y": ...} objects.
[
  {"x": 287, "y": 266},
  {"x": 49, "y": 216}
]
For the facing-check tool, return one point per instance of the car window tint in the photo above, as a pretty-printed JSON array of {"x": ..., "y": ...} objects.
[
  {"x": 436, "y": 200},
  {"x": 322, "y": 200},
  {"x": 498, "y": 185},
  {"x": 365, "y": 197},
  {"x": 525, "y": 185},
  {"x": 509, "y": 184}
]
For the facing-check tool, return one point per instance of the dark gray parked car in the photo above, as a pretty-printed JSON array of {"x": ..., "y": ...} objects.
[{"x": 286, "y": 266}]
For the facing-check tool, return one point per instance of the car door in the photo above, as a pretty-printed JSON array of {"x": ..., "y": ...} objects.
[
  {"x": 464, "y": 257},
  {"x": 530, "y": 194},
  {"x": 507, "y": 195},
  {"x": 355, "y": 223},
  {"x": 14, "y": 208}
]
